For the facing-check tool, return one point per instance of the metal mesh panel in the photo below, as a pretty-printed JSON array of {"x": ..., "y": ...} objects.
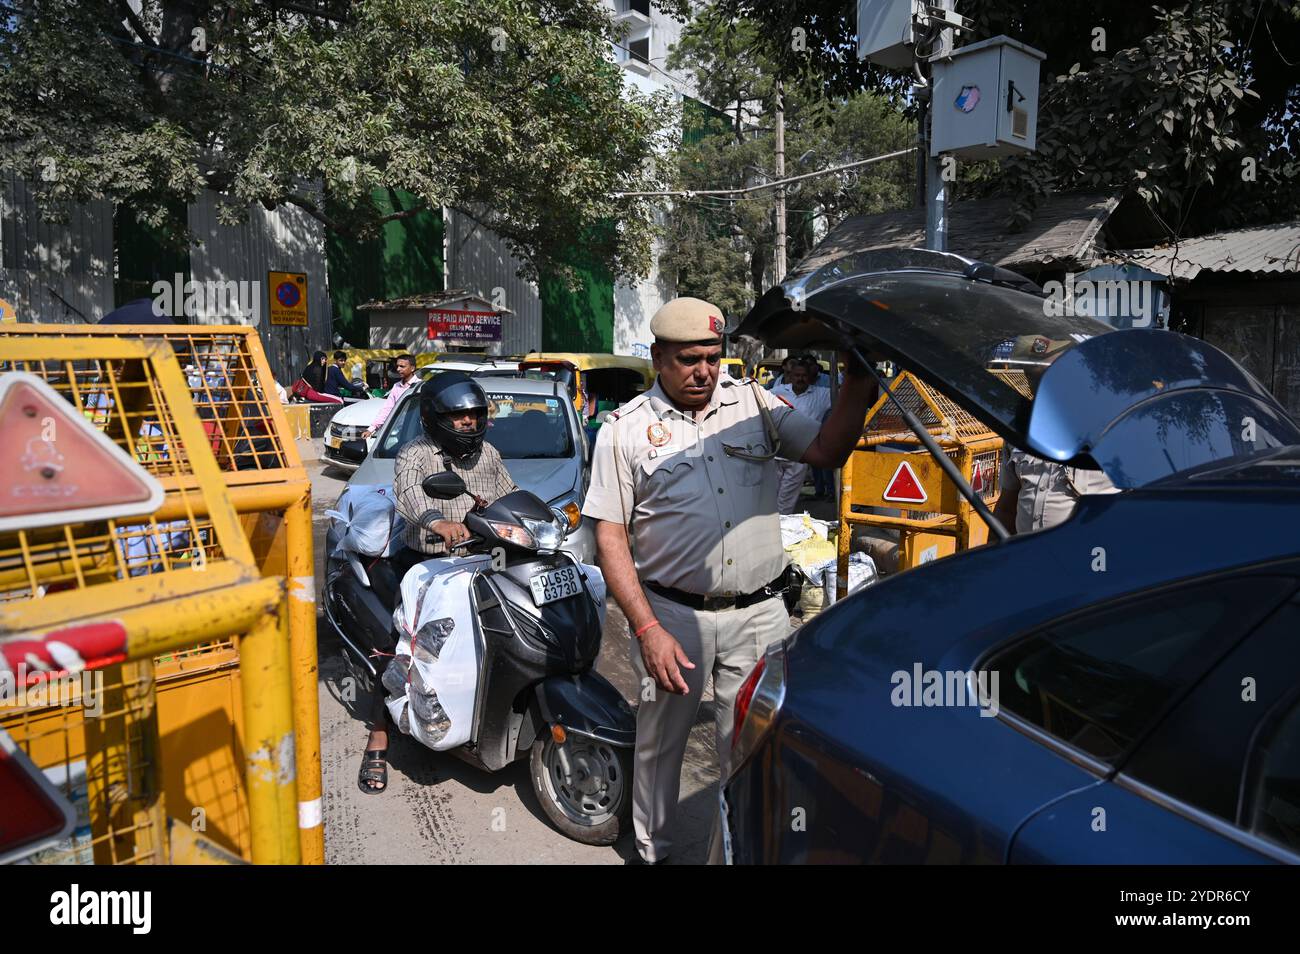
[
  {"x": 923, "y": 401},
  {"x": 1016, "y": 379},
  {"x": 990, "y": 464},
  {"x": 95, "y": 737},
  {"x": 228, "y": 382},
  {"x": 123, "y": 400}
]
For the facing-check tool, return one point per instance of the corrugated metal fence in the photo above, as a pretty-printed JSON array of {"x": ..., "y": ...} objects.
[
  {"x": 479, "y": 262},
  {"x": 286, "y": 240},
  {"x": 63, "y": 271},
  {"x": 57, "y": 271}
]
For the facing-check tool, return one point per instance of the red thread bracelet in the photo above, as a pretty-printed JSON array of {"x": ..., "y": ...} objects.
[{"x": 653, "y": 622}]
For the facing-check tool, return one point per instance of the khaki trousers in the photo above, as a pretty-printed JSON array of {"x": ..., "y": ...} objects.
[{"x": 725, "y": 645}]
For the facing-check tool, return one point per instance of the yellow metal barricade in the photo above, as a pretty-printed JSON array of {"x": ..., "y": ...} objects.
[
  {"x": 227, "y": 379},
  {"x": 890, "y": 470},
  {"x": 122, "y": 598}
]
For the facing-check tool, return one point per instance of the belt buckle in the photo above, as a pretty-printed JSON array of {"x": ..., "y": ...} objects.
[{"x": 713, "y": 604}]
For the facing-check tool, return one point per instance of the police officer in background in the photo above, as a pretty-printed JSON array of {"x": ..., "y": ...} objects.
[
  {"x": 683, "y": 486},
  {"x": 1036, "y": 493}
]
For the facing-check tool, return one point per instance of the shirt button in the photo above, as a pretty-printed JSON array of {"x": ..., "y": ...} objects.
[
  {"x": 728, "y": 524},
  {"x": 720, "y": 490},
  {"x": 728, "y": 563},
  {"x": 710, "y": 457}
]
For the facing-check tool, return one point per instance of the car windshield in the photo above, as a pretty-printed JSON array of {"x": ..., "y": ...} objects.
[{"x": 521, "y": 426}]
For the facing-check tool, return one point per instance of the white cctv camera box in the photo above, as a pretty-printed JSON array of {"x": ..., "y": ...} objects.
[{"x": 984, "y": 100}]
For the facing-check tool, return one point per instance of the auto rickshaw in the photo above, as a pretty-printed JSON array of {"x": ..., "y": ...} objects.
[{"x": 596, "y": 382}]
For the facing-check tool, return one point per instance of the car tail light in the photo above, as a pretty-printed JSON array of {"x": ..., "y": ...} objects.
[{"x": 758, "y": 702}]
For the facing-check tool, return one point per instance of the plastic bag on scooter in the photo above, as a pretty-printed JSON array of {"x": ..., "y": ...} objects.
[
  {"x": 433, "y": 678},
  {"x": 371, "y": 524}
]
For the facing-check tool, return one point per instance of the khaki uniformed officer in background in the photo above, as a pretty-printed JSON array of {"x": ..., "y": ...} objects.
[
  {"x": 683, "y": 486},
  {"x": 1036, "y": 493}
]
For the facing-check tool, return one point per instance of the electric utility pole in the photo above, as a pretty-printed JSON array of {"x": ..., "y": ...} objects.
[
  {"x": 936, "y": 187},
  {"x": 780, "y": 174}
]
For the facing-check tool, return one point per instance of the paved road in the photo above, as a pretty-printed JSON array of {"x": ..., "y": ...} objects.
[{"x": 438, "y": 809}]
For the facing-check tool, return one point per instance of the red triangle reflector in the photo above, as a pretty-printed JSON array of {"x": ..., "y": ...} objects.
[
  {"x": 58, "y": 468},
  {"x": 36, "y": 814},
  {"x": 977, "y": 477},
  {"x": 904, "y": 486}
]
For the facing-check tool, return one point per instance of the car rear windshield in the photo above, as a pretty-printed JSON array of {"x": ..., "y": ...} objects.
[{"x": 521, "y": 426}]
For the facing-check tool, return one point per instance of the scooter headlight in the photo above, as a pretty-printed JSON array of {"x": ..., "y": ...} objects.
[
  {"x": 514, "y": 534},
  {"x": 548, "y": 534}
]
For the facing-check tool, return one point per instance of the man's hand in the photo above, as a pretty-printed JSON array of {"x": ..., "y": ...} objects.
[
  {"x": 365, "y": 435},
  {"x": 450, "y": 531},
  {"x": 662, "y": 655}
]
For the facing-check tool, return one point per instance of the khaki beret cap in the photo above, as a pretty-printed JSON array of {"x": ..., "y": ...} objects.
[{"x": 687, "y": 319}]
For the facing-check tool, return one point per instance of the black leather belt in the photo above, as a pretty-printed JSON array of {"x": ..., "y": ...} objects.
[{"x": 724, "y": 601}]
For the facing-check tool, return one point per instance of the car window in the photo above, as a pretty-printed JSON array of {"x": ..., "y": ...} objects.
[
  {"x": 1272, "y": 804},
  {"x": 1099, "y": 680},
  {"x": 520, "y": 426},
  {"x": 1198, "y": 753},
  {"x": 568, "y": 380}
]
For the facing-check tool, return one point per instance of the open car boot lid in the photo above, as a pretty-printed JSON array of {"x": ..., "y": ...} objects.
[{"x": 1141, "y": 404}]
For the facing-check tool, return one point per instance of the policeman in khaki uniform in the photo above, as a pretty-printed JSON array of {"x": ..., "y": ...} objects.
[
  {"x": 685, "y": 477},
  {"x": 1036, "y": 493}
]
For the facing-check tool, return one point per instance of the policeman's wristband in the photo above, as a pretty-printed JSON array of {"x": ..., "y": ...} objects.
[{"x": 647, "y": 626}]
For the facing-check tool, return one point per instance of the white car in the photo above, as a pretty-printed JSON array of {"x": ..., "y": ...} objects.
[{"x": 356, "y": 418}]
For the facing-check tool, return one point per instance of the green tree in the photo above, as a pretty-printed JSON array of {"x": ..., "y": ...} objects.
[
  {"x": 721, "y": 248},
  {"x": 1194, "y": 104},
  {"x": 506, "y": 110}
]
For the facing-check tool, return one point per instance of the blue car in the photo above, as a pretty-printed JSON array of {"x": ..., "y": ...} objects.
[{"x": 1121, "y": 688}]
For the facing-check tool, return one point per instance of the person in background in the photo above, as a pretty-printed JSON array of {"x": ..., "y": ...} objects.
[
  {"x": 784, "y": 376},
  {"x": 813, "y": 403},
  {"x": 314, "y": 373},
  {"x": 823, "y": 478},
  {"x": 336, "y": 378},
  {"x": 310, "y": 385},
  {"x": 405, "y": 365}
]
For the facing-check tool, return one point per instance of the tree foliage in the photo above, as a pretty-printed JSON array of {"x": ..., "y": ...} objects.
[
  {"x": 721, "y": 248},
  {"x": 1193, "y": 105},
  {"x": 506, "y": 110}
]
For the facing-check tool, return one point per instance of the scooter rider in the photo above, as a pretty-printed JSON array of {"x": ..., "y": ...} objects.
[{"x": 454, "y": 412}]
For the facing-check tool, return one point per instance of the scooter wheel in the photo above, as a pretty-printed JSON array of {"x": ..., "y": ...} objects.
[{"x": 594, "y": 804}]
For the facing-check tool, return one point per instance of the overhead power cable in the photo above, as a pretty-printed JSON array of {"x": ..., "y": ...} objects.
[{"x": 692, "y": 193}]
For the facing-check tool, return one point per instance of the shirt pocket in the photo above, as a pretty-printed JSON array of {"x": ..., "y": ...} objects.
[
  {"x": 747, "y": 473},
  {"x": 667, "y": 480}
]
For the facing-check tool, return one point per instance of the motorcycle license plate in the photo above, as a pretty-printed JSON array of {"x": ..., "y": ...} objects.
[{"x": 555, "y": 585}]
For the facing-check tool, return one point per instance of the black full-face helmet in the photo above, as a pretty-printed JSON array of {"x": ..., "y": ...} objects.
[{"x": 448, "y": 393}]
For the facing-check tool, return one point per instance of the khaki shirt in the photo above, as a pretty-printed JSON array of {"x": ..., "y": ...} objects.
[
  {"x": 484, "y": 474},
  {"x": 699, "y": 520},
  {"x": 1047, "y": 491}
]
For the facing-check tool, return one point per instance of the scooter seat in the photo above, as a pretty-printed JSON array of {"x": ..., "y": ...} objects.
[{"x": 385, "y": 582}]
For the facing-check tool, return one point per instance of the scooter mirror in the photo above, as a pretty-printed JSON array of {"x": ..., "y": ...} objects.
[{"x": 443, "y": 486}]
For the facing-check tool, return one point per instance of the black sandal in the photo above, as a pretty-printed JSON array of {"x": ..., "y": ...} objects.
[{"x": 374, "y": 768}]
